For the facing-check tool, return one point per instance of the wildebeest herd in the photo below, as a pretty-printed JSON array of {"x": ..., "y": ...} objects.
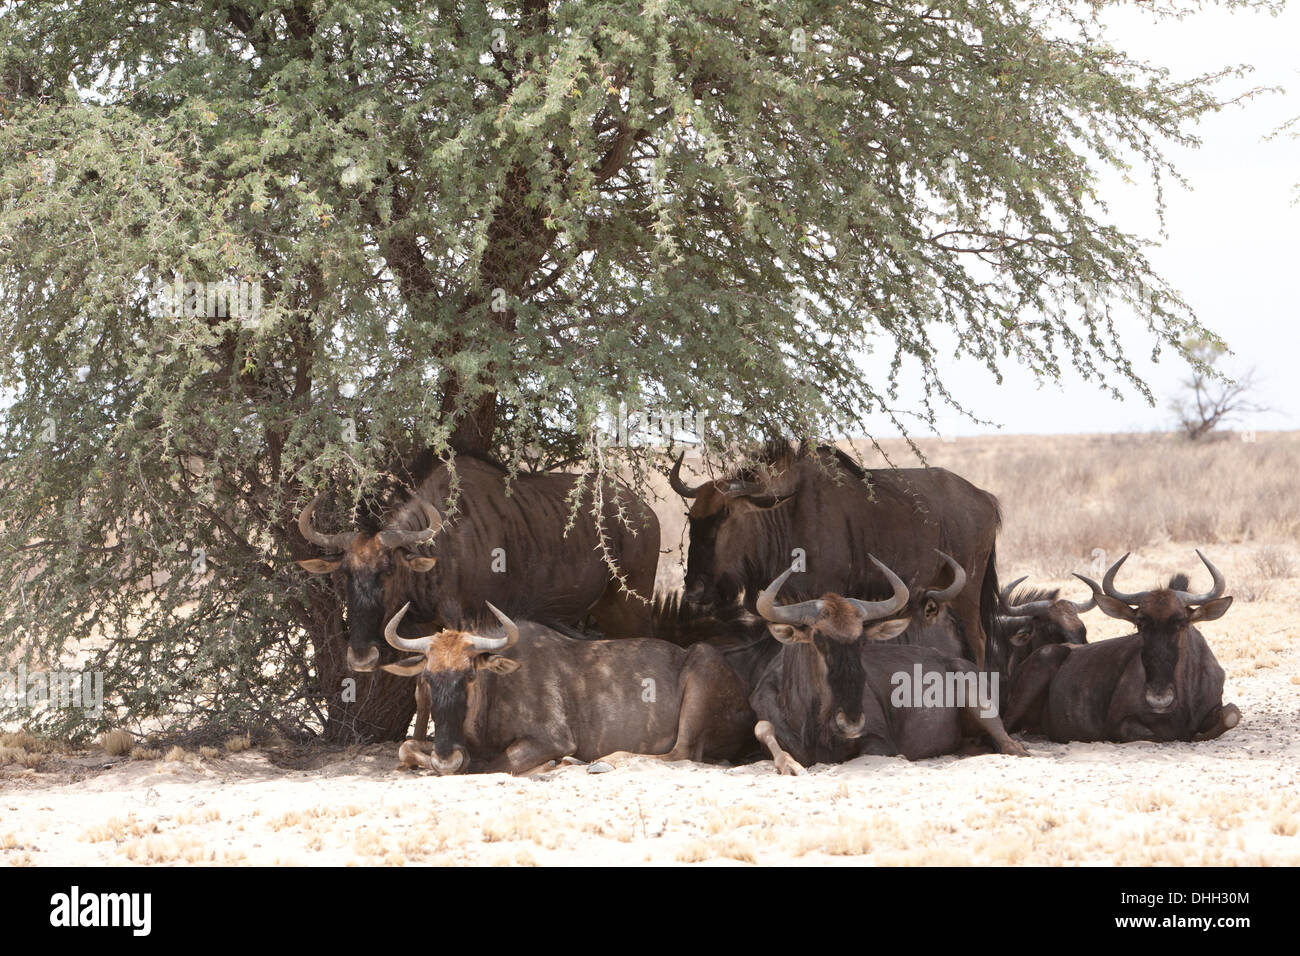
[{"x": 828, "y": 612}]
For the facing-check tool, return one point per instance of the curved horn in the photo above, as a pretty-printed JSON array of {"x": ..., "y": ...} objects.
[
  {"x": 875, "y": 610},
  {"x": 419, "y": 646},
  {"x": 407, "y": 539},
  {"x": 675, "y": 479},
  {"x": 1088, "y": 605},
  {"x": 958, "y": 580},
  {"x": 1216, "y": 591},
  {"x": 488, "y": 645},
  {"x": 1028, "y": 609},
  {"x": 1108, "y": 585},
  {"x": 800, "y": 615},
  {"x": 334, "y": 542}
]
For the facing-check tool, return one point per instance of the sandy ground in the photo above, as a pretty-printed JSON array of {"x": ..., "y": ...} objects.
[{"x": 1230, "y": 801}]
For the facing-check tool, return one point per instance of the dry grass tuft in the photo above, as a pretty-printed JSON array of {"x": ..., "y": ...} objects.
[{"x": 117, "y": 743}]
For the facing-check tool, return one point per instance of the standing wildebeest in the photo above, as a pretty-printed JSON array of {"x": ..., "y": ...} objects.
[
  {"x": 515, "y": 702},
  {"x": 511, "y": 549},
  {"x": 1162, "y": 683},
  {"x": 831, "y": 693},
  {"x": 744, "y": 529}
]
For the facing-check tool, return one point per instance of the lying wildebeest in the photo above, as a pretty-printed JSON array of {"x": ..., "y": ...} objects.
[
  {"x": 511, "y": 549},
  {"x": 744, "y": 529},
  {"x": 515, "y": 702},
  {"x": 1162, "y": 683},
  {"x": 833, "y": 693},
  {"x": 1033, "y": 618}
]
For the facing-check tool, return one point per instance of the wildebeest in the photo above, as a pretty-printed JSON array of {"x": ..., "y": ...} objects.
[
  {"x": 1033, "y": 618},
  {"x": 744, "y": 529},
  {"x": 1161, "y": 683},
  {"x": 515, "y": 702},
  {"x": 832, "y": 692},
  {"x": 508, "y": 548}
]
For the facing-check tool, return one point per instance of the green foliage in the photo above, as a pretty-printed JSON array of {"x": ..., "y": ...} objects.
[{"x": 487, "y": 224}]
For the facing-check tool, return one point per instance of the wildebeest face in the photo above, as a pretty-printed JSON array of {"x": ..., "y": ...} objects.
[
  {"x": 1164, "y": 619},
  {"x": 835, "y": 627},
  {"x": 447, "y": 663},
  {"x": 712, "y": 504},
  {"x": 372, "y": 566},
  {"x": 1049, "y": 620}
]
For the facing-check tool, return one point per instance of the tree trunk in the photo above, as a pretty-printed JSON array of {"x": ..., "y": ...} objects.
[{"x": 359, "y": 707}]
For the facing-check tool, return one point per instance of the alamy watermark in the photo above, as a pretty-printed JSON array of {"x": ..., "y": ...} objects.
[
  {"x": 921, "y": 688},
  {"x": 55, "y": 690},
  {"x": 633, "y": 427},
  {"x": 226, "y": 298}
]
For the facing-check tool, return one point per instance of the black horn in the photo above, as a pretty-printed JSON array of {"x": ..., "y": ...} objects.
[{"x": 675, "y": 480}]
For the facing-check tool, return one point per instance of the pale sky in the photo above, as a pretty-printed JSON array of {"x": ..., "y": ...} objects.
[{"x": 1232, "y": 248}]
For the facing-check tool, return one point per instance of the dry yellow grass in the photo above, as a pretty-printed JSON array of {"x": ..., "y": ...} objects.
[{"x": 117, "y": 743}]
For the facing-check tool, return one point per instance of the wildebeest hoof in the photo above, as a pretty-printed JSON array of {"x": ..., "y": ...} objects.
[
  {"x": 787, "y": 766},
  {"x": 1231, "y": 716},
  {"x": 412, "y": 754},
  {"x": 1015, "y": 748}
]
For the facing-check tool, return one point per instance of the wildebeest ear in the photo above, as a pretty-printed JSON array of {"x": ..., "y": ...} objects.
[
  {"x": 1212, "y": 610},
  {"x": 886, "y": 630},
  {"x": 319, "y": 565},
  {"x": 499, "y": 665},
  {"x": 406, "y": 668},
  {"x": 1113, "y": 608},
  {"x": 789, "y": 634},
  {"x": 1021, "y": 637},
  {"x": 417, "y": 563}
]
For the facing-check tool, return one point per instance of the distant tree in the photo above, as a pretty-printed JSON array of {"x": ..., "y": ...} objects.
[
  {"x": 1210, "y": 398},
  {"x": 478, "y": 227}
]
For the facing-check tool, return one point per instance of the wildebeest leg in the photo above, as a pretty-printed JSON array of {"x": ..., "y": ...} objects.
[
  {"x": 1218, "y": 722},
  {"x": 1029, "y": 691},
  {"x": 528, "y": 753},
  {"x": 415, "y": 754},
  {"x": 423, "y": 703},
  {"x": 714, "y": 717},
  {"x": 975, "y": 720},
  {"x": 785, "y": 764}
]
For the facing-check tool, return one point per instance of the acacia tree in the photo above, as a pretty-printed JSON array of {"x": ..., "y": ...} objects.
[
  {"x": 1209, "y": 398},
  {"x": 475, "y": 227}
]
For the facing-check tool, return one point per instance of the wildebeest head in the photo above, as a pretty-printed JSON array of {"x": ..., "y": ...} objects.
[
  {"x": 1164, "y": 618},
  {"x": 1046, "y": 619},
  {"x": 372, "y": 564},
  {"x": 711, "y": 503},
  {"x": 448, "y": 663},
  {"x": 835, "y": 628}
]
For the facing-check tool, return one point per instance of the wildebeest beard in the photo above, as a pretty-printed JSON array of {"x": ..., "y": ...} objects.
[
  {"x": 365, "y": 611},
  {"x": 449, "y": 703},
  {"x": 844, "y": 676}
]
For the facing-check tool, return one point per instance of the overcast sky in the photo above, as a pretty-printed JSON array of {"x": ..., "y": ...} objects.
[{"x": 1232, "y": 248}]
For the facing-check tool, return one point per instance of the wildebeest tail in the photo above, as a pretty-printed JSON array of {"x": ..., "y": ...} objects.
[{"x": 989, "y": 609}]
